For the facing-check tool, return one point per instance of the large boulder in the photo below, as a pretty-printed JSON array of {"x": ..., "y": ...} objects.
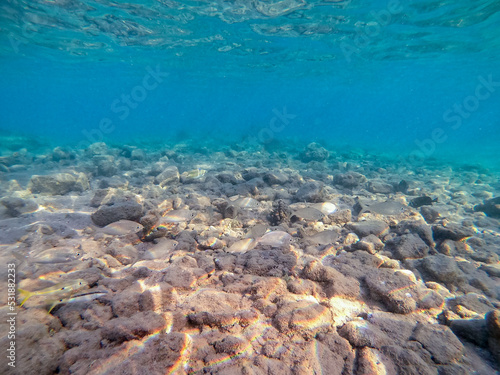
[
  {"x": 127, "y": 210},
  {"x": 58, "y": 183}
]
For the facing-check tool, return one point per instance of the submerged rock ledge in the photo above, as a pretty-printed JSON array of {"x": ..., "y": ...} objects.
[{"x": 243, "y": 262}]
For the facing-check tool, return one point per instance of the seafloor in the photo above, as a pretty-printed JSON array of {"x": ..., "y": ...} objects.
[{"x": 241, "y": 262}]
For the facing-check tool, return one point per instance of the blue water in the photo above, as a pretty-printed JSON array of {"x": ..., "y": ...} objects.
[{"x": 403, "y": 79}]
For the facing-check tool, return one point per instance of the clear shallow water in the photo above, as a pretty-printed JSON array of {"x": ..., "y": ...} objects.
[{"x": 416, "y": 80}]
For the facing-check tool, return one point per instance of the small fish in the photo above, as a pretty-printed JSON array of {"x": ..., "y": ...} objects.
[
  {"x": 122, "y": 228},
  {"x": 177, "y": 216},
  {"x": 386, "y": 208},
  {"x": 246, "y": 202},
  {"x": 327, "y": 208},
  {"x": 242, "y": 245},
  {"x": 61, "y": 290},
  {"x": 325, "y": 237},
  {"x": 257, "y": 231},
  {"x": 160, "y": 250},
  {"x": 85, "y": 297},
  {"x": 195, "y": 173},
  {"x": 424, "y": 200},
  {"x": 309, "y": 214},
  {"x": 55, "y": 255},
  {"x": 275, "y": 239}
]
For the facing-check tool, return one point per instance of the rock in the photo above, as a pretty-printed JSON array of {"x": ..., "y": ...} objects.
[
  {"x": 394, "y": 289},
  {"x": 361, "y": 333},
  {"x": 230, "y": 345},
  {"x": 215, "y": 308},
  {"x": 407, "y": 246},
  {"x": 314, "y": 152},
  {"x": 372, "y": 361},
  {"x": 312, "y": 191},
  {"x": 349, "y": 179},
  {"x": 490, "y": 207},
  {"x": 179, "y": 277},
  {"x": 330, "y": 362},
  {"x": 251, "y": 173},
  {"x": 442, "y": 269},
  {"x": 280, "y": 213},
  {"x": 341, "y": 217},
  {"x": 379, "y": 187},
  {"x": 267, "y": 262},
  {"x": 408, "y": 362},
  {"x": 440, "y": 341},
  {"x": 303, "y": 287},
  {"x": 59, "y": 183},
  {"x": 98, "y": 148},
  {"x": 365, "y": 228},
  {"x": 59, "y": 154},
  {"x": 473, "y": 302},
  {"x": 472, "y": 330},
  {"x": 133, "y": 328},
  {"x": 370, "y": 244},
  {"x": 160, "y": 354},
  {"x": 124, "y": 254},
  {"x": 125, "y": 210},
  {"x": 138, "y": 154},
  {"x": 491, "y": 270},
  {"x": 126, "y": 303},
  {"x": 493, "y": 323},
  {"x": 227, "y": 178},
  {"x": 169, "y": 176},
  {"x": 275, "y": 178},
  {"x": 315, "y": 271},
  {"x": 334, "y": 282},
  {"x": 429, "y": 214},
  {"x": 304, "y": 317},
  {"x": 424, "y": 231},
  {"x": 485, "y": 257},
  {"x": 452, "y": 232},
  {"x": 18, "y": 206},
  {"x": 106, "y": 165},
  {"x": 493, "y": 328}
]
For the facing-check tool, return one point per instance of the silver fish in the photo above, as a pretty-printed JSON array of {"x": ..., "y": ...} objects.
[
  {"x": 55, "y": 255},
  {"x": 275, "y": 239},
  {"x": 85, "y": 297},
  {"x": 387, "y": 208},
  {"x": 324, "y": 238},
  {"x": 160, "y": 250},
  {"x": 326, "y": 207},
  {"x": 246, "y": 202},
  {"x": 177, "y": 216},
  {"x": 195, "y": 173},
  {"x": 242, "y": 245},
  {"x": 122, "y": 228},
  {"x": 309, "y": 214},
  {"x": 257, "y": 231}
]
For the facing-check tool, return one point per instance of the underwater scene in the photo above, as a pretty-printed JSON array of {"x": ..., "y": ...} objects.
[{"x": 250, "y": 187}]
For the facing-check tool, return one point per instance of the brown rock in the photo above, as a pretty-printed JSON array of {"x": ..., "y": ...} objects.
[
  {"x": 135, "y": 327},
  {"x": 365, "y": 228},
  {"x": 440, "y": 341},
  {"x": 407, "y": 246},
  {"x": 395, "y": 289},
  {"x": 373, "y": 362},
  {"x": 361, "y": 333},
  {"x": 304, "y": 316},
  {"x": 408, "y": 362}
]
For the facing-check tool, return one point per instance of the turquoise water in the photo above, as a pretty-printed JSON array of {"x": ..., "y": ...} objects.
[{"x": 415, "y": 80}]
